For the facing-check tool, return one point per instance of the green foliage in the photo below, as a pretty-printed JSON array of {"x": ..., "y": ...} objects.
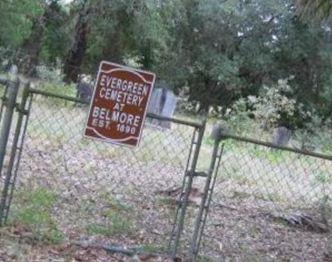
[
  {"x": 315, "y": 134},
  {"x": 118, "y": 225},
  {"x": 16, "y": 20},
  {"x": 214, "y": 53},
  {"x": 224, "y": 49},
  {"x": 51, "y": 81},
  {"x": 120, "y": 33},
  {"x": 315, "y": 8},
  {"x": 204, "y": 259},
  {"x": 237, "y": 175},
  {"x": 275, "y": 106},
  {"x": 154, "y": 249},
  {"x": 56, "y": 38},
  {"x": 96, "y": 229},
  {"x": 49, "y": 74},
  {"x": 34, "y": 212},
  {"x": 238, "y": 116},
  {"x": 323, "y": 178},
  {"x": 274, "y": 157}
]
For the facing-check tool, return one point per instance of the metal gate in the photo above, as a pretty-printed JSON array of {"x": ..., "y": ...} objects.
[
  {"x": 265, "y": 198},
  {"x": 270, "y": 203},
  {"x": 67, "y": 187}
]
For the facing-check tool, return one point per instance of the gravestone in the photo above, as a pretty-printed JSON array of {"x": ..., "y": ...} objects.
[
  {"x": 163, "y": 102},
  {"x": 84, "y": 88},
  {"x": 5, "y": 66},
  {"x": 155, "y": 105},
  {"x": 281, "y": 136},
  {"x": 168, "y": 105}
]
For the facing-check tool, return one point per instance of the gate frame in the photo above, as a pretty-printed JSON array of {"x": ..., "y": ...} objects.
[
  {"x": 24, "y": 108},
  {"x": 220, "y": 134},
  {"x": 9, "y": 103},
  {"x": 211, "y": 178},
  {"x": 15, "y": 152}
]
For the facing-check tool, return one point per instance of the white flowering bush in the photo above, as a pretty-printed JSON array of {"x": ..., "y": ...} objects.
[
  {"x": 50, "y": 74},
  {"x": 315, "y": 135},
  {"x": 276, "y": 107},
  {"x": 240, "y": 118}
]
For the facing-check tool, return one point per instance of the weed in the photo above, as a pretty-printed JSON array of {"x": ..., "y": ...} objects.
[
  {"x": 118, "y": 219},
  {"x": 97, "y": 229},
  {"x": 273, "y": 156},
  {"x": 151, "y": 248},
  {"x": 58, "y": 88},
  {"x": 115, "y": 204},
  {"x": 208, "y": 141},
  {"x": 240, "y": 195},
  {"x": 204, "y": 259},
  {"x": 34, "y": 213},
  {"x": 323, "y": 177},
  {"x": 121, "y": 223},
  {"x": 116, "y": 224},
  {"x": 274, "y": 197},
  {"x": 237, "y": 174},
  {"x": 168, "y": 202}
]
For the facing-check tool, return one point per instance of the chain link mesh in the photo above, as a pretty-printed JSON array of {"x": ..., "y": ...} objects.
[
  {"x": 101, "y": 192},
  {"x": 269, "y": 204},
  {"x": 3, "y": 89}
]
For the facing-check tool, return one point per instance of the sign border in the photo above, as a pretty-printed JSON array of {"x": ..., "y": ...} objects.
[{"x": 145, "y": 111}]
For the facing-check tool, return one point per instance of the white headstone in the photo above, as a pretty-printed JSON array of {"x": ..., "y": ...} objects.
[
  {"x": 168, "y": 108},
  {"x": 281, "y": 136},
  {"x": 163, "y": 102}
]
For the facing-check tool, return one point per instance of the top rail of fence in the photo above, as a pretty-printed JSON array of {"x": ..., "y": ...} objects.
[
  {"x": 195, "y": 124},
  {"x": 271, "y": 145}
]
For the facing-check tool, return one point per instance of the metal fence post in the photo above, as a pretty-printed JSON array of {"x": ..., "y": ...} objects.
[
  {"x": 13, "y": 85},
  {"x": 207, "y": 195},
  {"x": 3, "y": 81},
  {"x": 11, "y": 173},
  {"x": 184, "y": 198}
]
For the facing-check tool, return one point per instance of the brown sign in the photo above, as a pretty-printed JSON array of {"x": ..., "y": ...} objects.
[{"x": 119, "y": 104}]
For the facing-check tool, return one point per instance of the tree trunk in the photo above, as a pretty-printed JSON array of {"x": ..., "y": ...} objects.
[{"x": 77, "y": 51}]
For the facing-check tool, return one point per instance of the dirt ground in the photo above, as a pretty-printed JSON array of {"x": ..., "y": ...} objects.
[
  {"x": 277, "y": 244},
  {"x": 103, "y": 194},
  {"x": 17, "y": 244}
]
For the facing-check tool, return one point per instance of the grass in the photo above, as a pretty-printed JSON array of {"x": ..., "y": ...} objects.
[
  {"x": 273, "y": 197},
  {"x": 322, "y": 177},
  {"x": 274, "y": 156},
  {"x": 121, "y": 221},
  {"x": 59, "y": 89},
  {"x": 240, "y": 195},
  {"x": 237, "y": 175},
  {"x": 118, "y": 219},
  {"x": 34, "y": 212},
  {"x": 116, "y": 224},
  {"x": 204, "y": 259},
  {"x": 154, "y": 249},
  {"x": 169, "y": 205},
  {"x": 115, "y": 204},
  {"x": 61, "y": 124}
]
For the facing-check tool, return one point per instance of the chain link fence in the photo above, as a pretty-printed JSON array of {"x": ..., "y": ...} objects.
[
  {"x": 269, "y": 204},
  {"x": 70, "y": 187},
  {"x": 3, "y": 89}
]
